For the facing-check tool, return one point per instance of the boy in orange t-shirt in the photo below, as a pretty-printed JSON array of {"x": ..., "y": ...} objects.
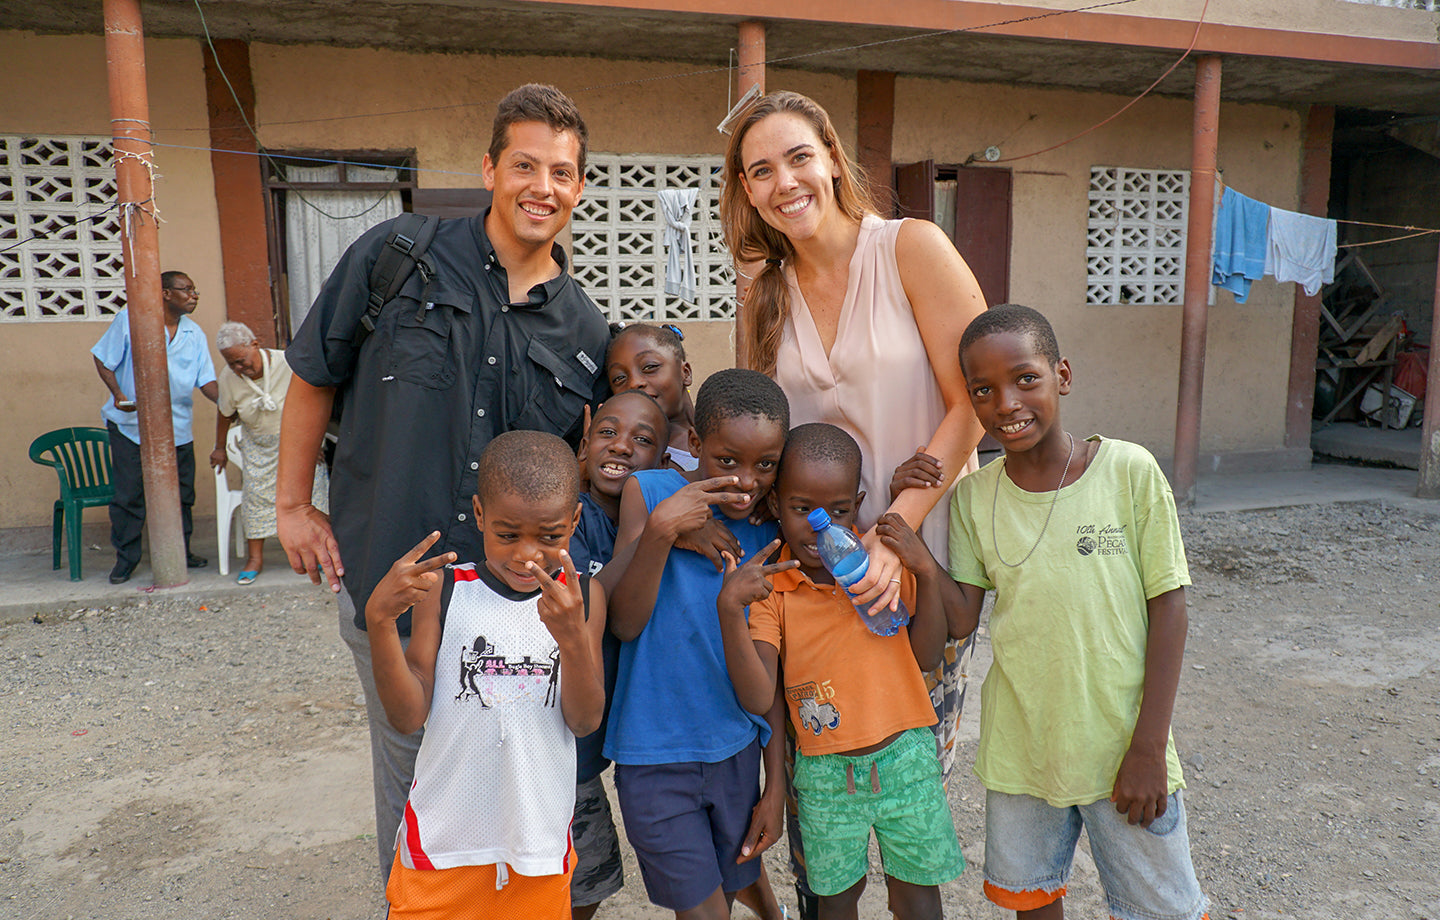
[{"x": 858, "y": 702}]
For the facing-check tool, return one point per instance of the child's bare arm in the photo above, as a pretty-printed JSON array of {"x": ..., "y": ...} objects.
[
  {"x": 943, "y": 608},
  {"x": 921, "y": 471},
  {"x": 405, "y": 678},
  {"x": 752, "y": 665},
  {"x": 1141, "y": 785},
  {"x": 767, "y": 817},
  {"x": 643, "y": 542}
]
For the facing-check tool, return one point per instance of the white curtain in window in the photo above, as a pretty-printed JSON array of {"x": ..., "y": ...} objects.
[{"x": 321, "y": 225}]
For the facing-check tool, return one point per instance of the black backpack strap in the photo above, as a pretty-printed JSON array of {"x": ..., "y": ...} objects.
[{"x": 404, "y": 249}]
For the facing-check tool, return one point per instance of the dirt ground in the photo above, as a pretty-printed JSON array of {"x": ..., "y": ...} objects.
[{"x": 171, "y": 758}]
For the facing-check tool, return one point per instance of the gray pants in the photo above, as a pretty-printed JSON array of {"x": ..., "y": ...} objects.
[{"x": 392, "y": 754}]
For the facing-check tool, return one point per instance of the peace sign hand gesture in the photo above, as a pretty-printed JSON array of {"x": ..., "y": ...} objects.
[
  {"x": 561, "y": 604},
  {"x": 407, "y": 582},
  {"x": 746, "y": 584},
  {"x": 689, "y": 508}
]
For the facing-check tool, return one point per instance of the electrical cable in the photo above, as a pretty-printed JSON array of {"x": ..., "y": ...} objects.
[
  {"x": 240, "y": 108},
  {"x": 1194, "y": 39}
]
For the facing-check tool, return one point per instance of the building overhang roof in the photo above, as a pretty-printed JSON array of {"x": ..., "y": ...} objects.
[{"x": 1101, "y": 48}]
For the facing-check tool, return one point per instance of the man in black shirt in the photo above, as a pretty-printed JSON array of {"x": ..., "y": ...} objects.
[{"x": 499, "y": 337}]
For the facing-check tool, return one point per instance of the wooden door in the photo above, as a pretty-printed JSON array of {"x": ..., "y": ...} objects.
[
  {"x": 982, "y": 228},
  {"x": 915, "y": 189}
]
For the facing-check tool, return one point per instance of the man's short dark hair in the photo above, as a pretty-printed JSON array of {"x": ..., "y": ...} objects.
[
  {"x": 535, "y": 465},
  {"x": 1012, "y": 317},
  {"x": 735, "y": 393},
  {"x": 167, "y": 279},
  {"x": 821, "y": 442},
  {"x": 538, "y": 102}
]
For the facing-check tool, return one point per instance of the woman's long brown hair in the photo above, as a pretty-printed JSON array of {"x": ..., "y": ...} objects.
[{"x": 750, "y": 239}]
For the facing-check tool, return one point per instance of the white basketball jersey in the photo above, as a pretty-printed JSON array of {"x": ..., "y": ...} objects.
[{"x": 495, "y": 776}]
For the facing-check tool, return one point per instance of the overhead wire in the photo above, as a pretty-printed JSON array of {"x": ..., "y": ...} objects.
[
  {"x": 710, "y": 71},
  {"x": 264, "y": 153},
  {"x": 1194, "y": 39},
  {"x": 240, "y": 108}
]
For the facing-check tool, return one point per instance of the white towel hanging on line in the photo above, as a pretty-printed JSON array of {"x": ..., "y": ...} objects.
[{"x": 678, "y": 207}]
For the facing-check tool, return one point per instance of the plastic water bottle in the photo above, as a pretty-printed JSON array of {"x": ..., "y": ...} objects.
[{"x": 846, "y": 559}]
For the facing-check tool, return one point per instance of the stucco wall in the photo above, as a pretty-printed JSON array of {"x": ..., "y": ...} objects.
[
  {"x": 1125, "y": 358},
  {"x": 47, "y": 377},
  {"x": 442, "y": 106}
]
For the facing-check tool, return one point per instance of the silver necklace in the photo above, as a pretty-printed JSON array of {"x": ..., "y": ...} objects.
[{"x": 1054, "y": 497}]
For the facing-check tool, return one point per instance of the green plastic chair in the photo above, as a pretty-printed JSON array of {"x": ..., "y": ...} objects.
[{"x": 81, "y": 458}]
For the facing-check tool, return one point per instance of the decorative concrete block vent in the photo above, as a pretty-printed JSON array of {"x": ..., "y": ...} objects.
[
  {"x": 619, "y": 235},
  {"x": 1427, "y": 5},
  {"x": 57, "y": 197},
  {"x": 1135, "y": 236}
]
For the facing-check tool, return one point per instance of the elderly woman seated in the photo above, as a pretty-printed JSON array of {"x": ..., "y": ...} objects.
[{"x": 253, "y": 384}]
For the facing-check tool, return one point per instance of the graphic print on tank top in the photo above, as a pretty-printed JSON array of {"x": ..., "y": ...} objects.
[
  {"x": 511, "y": 661},
  {"x": 491, "y": 677}
]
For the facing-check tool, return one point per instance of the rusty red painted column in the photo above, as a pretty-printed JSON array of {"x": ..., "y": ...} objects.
[
  {"x": 1430, "y": 433},
  {"x": 751, "y": 53},
  {"x": 239, "y": 189},
  {"x": 1198, "y": 234},
  {"x": 875, "y": 132},
  {"x": 130, "y": 114},
  {"x": 752, "y": 73},
  {"x": 1305, "y": 321}
]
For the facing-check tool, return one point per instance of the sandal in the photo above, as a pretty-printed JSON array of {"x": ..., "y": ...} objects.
[{"x": 246, "y": 578}]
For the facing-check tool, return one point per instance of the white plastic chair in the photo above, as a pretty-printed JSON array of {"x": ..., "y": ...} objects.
[{"x": 227, "y": 503}]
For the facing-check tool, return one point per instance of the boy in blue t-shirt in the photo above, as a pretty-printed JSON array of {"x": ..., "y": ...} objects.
[
  {"x": 627, "y": 434},
  {"x": 687, "y": 755},
  {"x": 1080, "y": 541}
]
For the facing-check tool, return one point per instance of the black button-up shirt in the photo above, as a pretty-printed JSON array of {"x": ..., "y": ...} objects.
[{"x": 449, "y": 366}]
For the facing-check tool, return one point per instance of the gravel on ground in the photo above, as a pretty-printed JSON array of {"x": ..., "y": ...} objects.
[{"x": 173, "y": 758}]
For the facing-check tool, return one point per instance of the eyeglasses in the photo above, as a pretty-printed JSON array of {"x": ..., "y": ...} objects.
[{"x": 184, "y": 290}]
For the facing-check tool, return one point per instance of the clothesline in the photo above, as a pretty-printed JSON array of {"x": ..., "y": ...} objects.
[
  {"x": 1418, "y": 231},
  {"x": 1391, "y": 239},
  {"x": 1367, "y": 223}
]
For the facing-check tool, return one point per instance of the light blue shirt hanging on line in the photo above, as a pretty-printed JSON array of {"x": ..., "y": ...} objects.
[
  {"x": 1238, "y": 257},
  {"x": 186, "y": 354}
]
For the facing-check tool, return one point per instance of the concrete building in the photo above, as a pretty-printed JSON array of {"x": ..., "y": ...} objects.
[{"x": 1006, "y": 109}]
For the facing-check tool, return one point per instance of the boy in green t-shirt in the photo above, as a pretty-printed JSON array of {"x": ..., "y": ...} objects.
[{"x": 1080, "y": 542}]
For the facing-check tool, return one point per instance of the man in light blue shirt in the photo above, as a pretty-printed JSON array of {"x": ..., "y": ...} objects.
[{"x": 188, "y": 358}]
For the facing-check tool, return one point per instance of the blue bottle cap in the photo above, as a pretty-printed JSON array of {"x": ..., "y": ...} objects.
[{"x": 819, "y": 519}]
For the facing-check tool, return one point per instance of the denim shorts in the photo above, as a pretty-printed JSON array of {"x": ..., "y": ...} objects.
[
  {"x": 686, "y": 822},
  {"x": 1146, "y": 872},
  {"x": 897, "y": 793}
]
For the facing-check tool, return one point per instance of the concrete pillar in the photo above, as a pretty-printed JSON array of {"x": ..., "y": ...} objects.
[
  {"x": 1430, "y": 432},
  {"x": 752, "y": 56},
  {"x": 752, "y": 73},
  {"x": 1305, "y": 326},
  {"x": 134, "y": 157},
  {"x": 239, "y": 190},
  {"x": 875, "y": 114},
  {"x": 1198, "y": 234}
]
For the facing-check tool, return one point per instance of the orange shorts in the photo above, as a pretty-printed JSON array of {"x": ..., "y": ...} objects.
[{"x": 469, "y": 891}]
